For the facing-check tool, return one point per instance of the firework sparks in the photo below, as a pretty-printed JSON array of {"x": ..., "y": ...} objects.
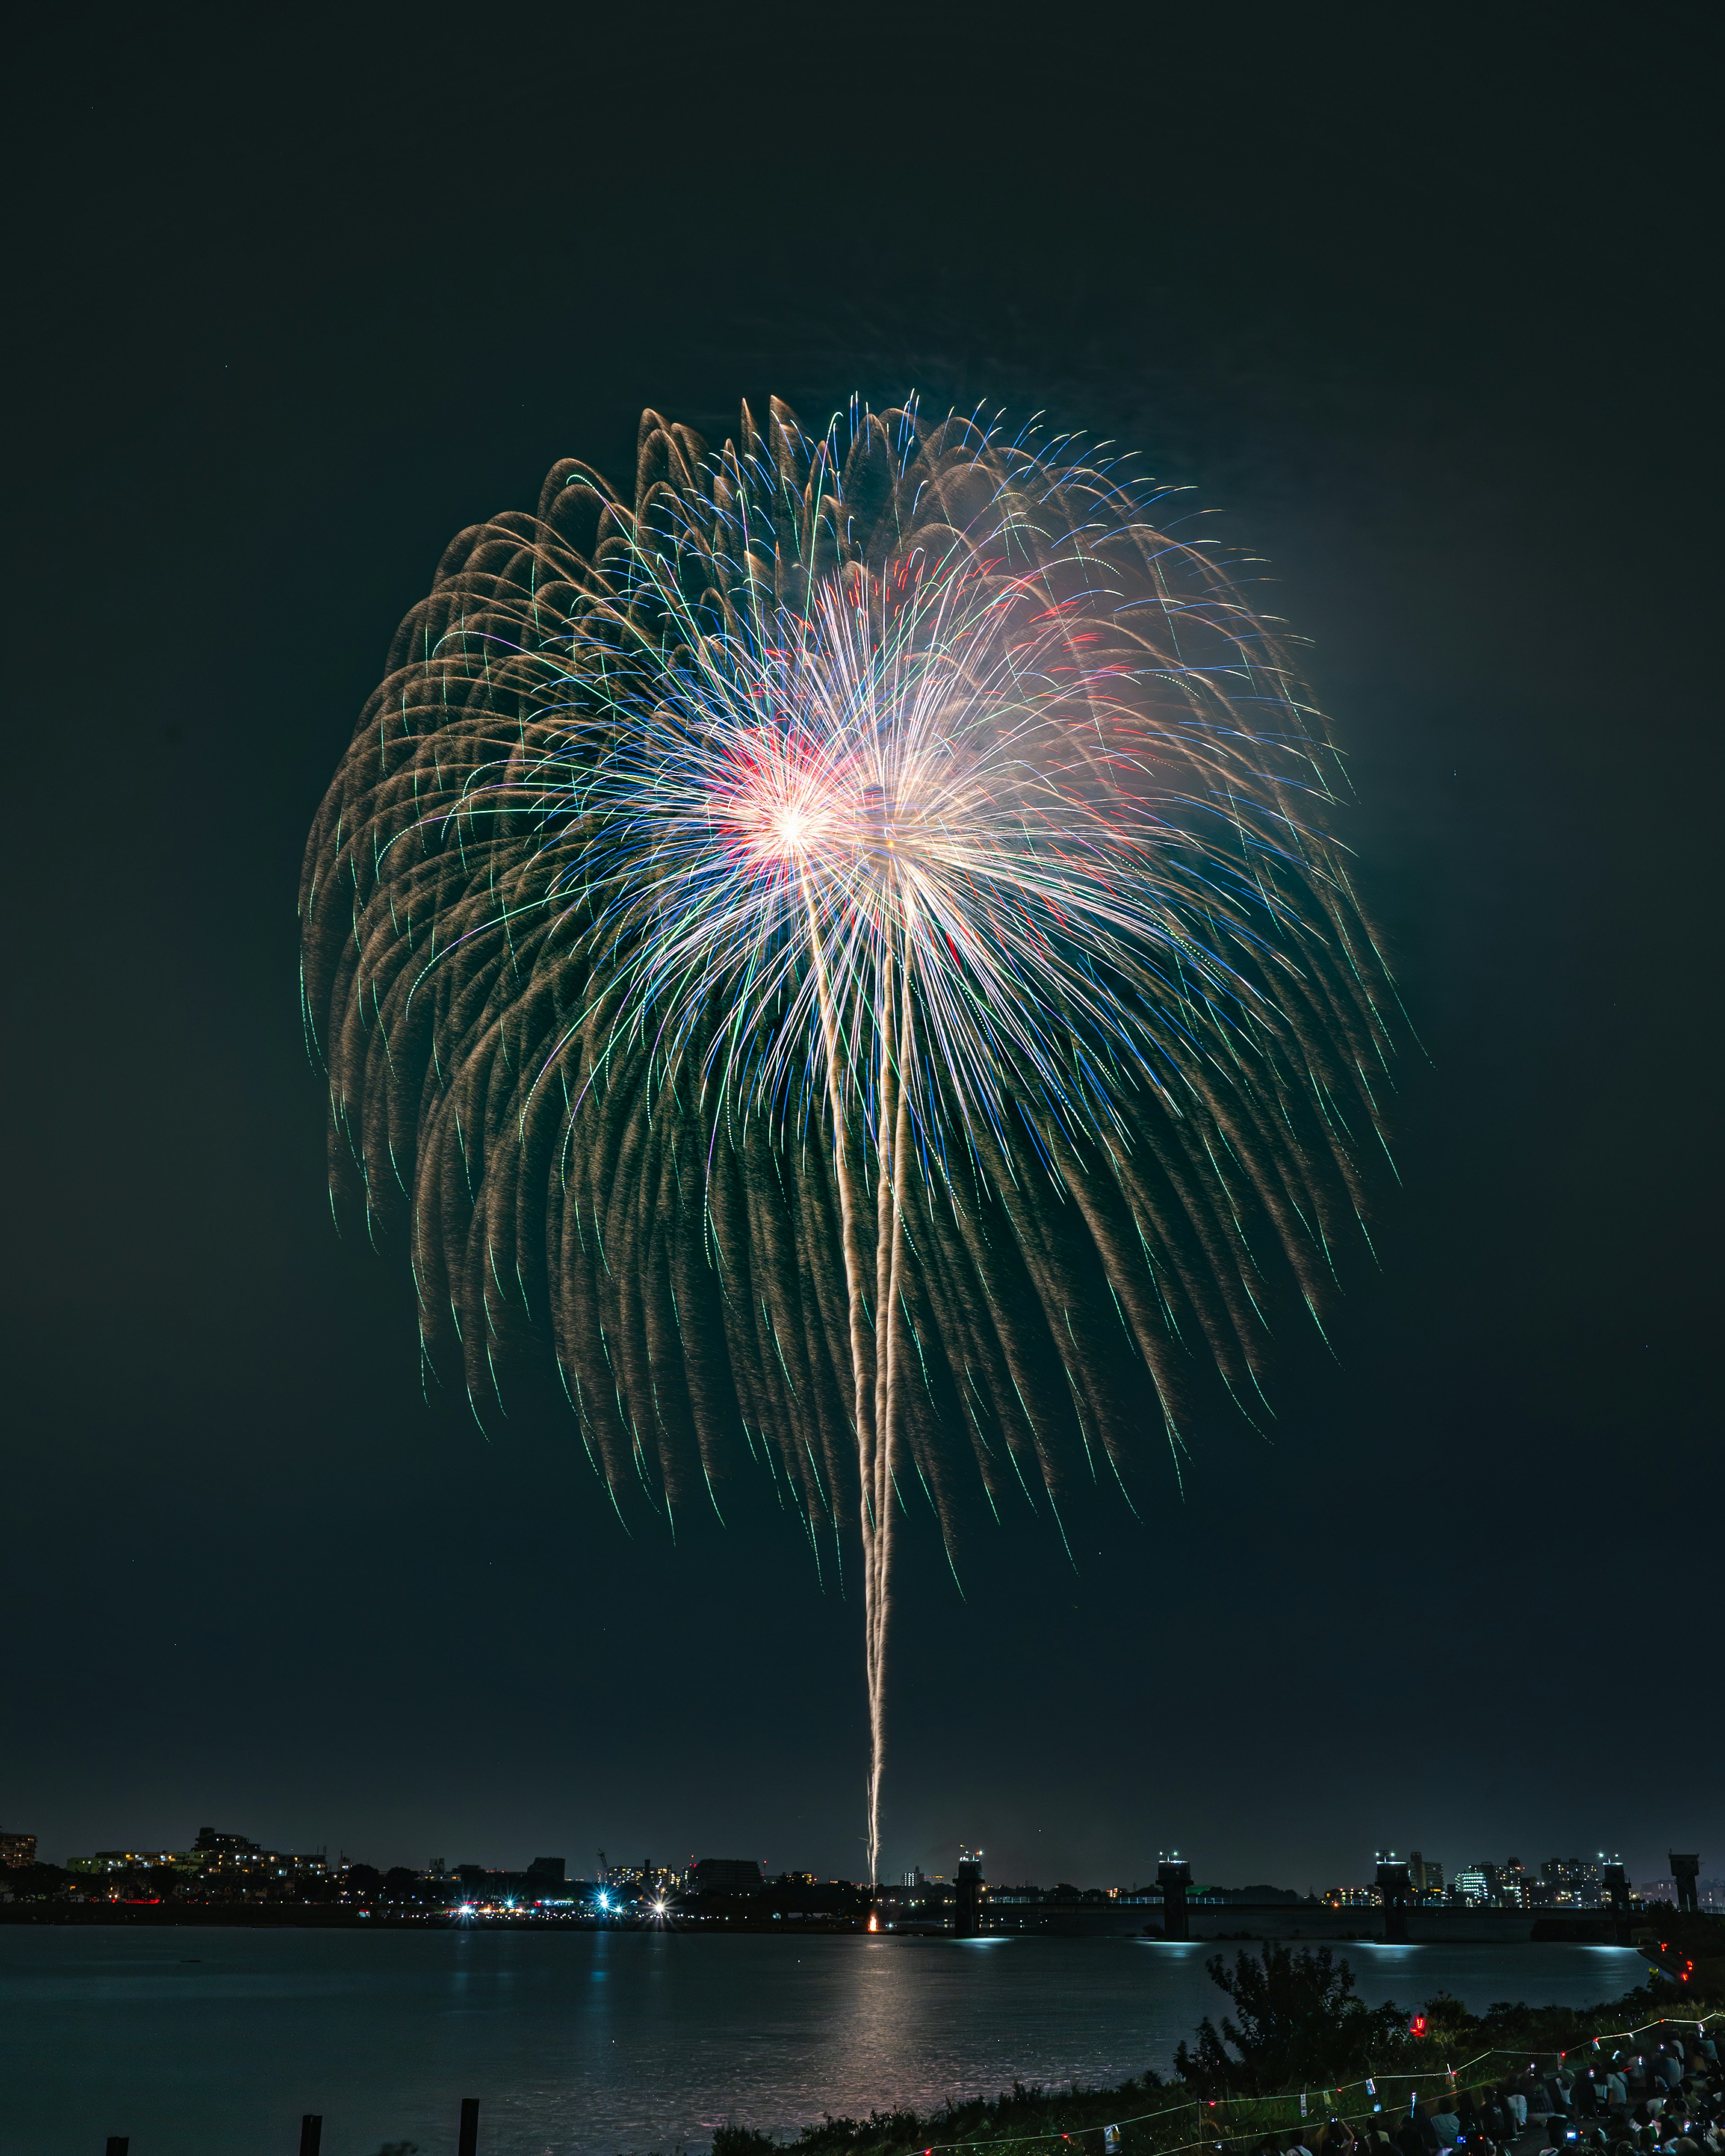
[{"x": 814, "y": 939}]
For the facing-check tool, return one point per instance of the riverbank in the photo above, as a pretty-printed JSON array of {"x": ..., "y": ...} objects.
[{"x": 1253, "y": 2082}]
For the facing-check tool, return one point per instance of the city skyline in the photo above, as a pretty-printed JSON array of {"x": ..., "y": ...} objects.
[
  {"x": 222, "y": 1875},
  {"x": 1549, "y": 1882}
]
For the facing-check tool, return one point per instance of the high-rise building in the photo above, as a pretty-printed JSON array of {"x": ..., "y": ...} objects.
[
  {"x": 1571, "y": 1882},
  {"x": 1425, "y": 1877},
  {"x": 18, "y": 1852}
]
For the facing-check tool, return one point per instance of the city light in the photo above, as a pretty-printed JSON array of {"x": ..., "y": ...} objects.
[{"x": 732, "y": 1893}]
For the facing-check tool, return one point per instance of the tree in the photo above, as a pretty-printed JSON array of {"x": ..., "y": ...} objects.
[
  {"x": 1299, "y": 2024},
  {"x": 37, "y": 1882},
  {"x": 729, "y": 2140}
]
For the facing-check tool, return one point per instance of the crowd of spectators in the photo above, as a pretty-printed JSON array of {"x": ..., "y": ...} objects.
[{"x": 1664, "y": 2098}]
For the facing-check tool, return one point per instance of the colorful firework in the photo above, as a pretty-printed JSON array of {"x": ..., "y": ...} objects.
[{"x": 848, "y": 945}]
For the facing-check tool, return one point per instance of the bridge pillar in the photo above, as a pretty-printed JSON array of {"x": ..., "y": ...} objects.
[
  {"x": 1394, "y": 1890},
  {"x": 968, "y": 1898},
  {"x": 1173, "y": 1875},
  {"x": 1613, "y": 1881}
]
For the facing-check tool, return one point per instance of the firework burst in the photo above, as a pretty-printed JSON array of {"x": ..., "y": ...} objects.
[{"x": 849, "y": 944}]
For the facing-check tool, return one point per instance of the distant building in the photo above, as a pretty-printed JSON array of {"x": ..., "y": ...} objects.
[
  {"x": 727, "y": 1874},
  {"x": 124, "y": 1860},
  {"x": 235, "y": 1862},
  {"x": 18, "y": 1852},
  {"x": 625, "y": 1884},
  {"x": 1709, "y": 1893},
  {"x": 1570, "y": 1882},
  {"x": 1424, "y": 1876},
  {"x": 224, "y": 1853}
]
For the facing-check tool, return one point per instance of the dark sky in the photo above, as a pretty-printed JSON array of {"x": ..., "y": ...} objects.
[{"x": 1419, "y": 300}]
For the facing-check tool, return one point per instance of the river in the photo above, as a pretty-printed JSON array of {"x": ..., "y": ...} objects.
[{"x": 213, "y": 2042}]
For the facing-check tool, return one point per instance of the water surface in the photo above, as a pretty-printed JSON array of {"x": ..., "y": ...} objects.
[{"x": 213, "y": 2042}]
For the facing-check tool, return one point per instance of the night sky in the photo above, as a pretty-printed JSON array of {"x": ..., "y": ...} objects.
[{"x": 1420, "y": 302}]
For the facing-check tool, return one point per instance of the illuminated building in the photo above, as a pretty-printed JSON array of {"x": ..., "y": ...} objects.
[
  {"x": 1423, "y": 1876},
  {"x": 126, "y": 1860}
]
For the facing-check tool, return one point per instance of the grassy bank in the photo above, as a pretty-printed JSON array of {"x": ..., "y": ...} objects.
[{"x": 1298, "y": 2048}]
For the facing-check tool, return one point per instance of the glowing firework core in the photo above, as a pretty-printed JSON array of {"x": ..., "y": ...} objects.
[
  {"x": 771, "y": 805},
  {"x": 775, "y": 798}
]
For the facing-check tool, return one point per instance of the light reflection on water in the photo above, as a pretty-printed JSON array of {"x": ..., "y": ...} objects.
[{"x": 212, "y": 2043}]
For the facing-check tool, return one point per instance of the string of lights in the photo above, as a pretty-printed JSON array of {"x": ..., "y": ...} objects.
[{"x": 1452, "y": 2077}]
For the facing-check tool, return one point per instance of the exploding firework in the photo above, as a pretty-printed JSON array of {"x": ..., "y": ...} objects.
[{"x": 848, "y": 945}]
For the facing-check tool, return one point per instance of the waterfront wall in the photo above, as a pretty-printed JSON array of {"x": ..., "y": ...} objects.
[{"x": 1306, "y": 1920}]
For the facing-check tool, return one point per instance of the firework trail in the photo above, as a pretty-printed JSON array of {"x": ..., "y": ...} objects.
[{"x": 847, "y": 943}]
